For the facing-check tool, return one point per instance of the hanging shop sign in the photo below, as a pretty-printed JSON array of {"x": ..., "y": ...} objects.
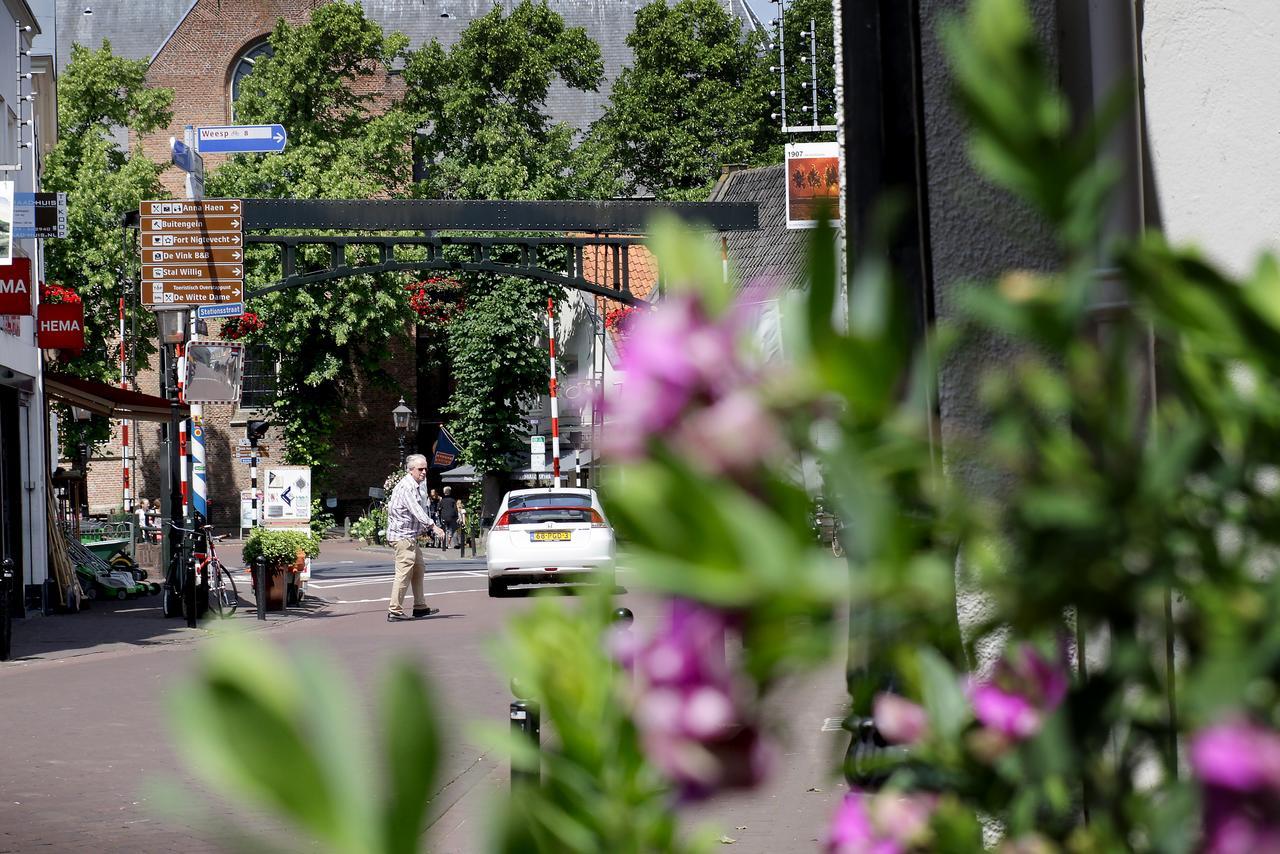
[
  {"x": 61, "y": 326},
  {"x": 813, "y": 182},
  {"x": 15, "y": 287}
]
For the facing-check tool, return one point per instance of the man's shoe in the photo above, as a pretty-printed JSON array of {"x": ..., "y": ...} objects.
[
  {"x": 399, "y": 618},
  {"x": 425, "y": 612}
]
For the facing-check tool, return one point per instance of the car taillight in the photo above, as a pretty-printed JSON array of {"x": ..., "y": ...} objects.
[
  {"x": 504, "y": 522},
  {"x": 597, "y": 521}
]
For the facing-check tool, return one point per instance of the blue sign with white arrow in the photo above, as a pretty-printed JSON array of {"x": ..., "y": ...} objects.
[{"x": 241, "y": 139}]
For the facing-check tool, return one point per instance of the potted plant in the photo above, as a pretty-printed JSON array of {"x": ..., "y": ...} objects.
[{"x": 284, "y": 554}]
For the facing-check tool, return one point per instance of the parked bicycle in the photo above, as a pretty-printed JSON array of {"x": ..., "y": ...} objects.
[{"x": 222, "y": 596}]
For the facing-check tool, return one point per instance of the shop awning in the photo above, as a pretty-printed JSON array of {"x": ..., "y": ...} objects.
[{"x": 108, "y": 400}]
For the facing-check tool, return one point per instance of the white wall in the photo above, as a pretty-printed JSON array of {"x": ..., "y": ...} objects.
[{"x": 1213, "y": 109}]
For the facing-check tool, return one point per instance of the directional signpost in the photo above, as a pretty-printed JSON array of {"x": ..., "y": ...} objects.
[
  {"x": 192, "y": 253},
  {"x": 241, "y": 139}
]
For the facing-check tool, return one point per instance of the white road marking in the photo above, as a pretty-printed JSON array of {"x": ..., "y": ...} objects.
[
  {"x": 832, "y": 724},
  {"x": 325, "y": 584},
  {"x": 388, "y": 598}
]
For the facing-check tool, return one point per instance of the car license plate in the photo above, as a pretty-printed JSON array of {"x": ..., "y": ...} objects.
[{"x": 543, "y": 536}]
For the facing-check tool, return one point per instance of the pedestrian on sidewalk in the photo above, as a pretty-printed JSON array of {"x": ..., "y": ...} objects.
[
  {"x": 462, "y": 529},
  {"x": 406, "y": 521},
  {"x": 433, "y": 510},
  {"x": 448, "y": 517}
]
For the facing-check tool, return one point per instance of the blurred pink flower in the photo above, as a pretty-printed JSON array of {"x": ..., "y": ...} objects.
[
  {"x": 1021, "y": 692},
  {"x": 886, "y": 823},
  {"x": 688, "y": 385},
  {"x": 1238, "y": 766},
  {"x": 898, "y": 720},
  {"x": 691, "y": 718}
]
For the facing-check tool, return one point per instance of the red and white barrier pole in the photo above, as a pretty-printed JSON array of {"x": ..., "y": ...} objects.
[
  {"x": 555, "y": 409},
  {"x": 125, "y": 463}
]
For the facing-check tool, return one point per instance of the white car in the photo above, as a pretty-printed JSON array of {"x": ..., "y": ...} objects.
[{"x": 549, "y": 536}]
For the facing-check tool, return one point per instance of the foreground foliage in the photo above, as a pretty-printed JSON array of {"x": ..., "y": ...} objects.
[{"x": 1137, "y": 518}]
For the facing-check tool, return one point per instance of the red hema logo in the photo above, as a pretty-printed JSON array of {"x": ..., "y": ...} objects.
[
  {"x": 61, "y": 326},
  {"x": 15, "y": 287}
]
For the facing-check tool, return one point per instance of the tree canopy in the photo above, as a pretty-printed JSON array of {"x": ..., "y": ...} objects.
[
  {"x": 100, "y": 94},
  {"x": 697, "y": 97}
]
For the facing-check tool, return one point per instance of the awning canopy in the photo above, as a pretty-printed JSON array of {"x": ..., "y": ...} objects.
[{"x": 108, "y": 400}]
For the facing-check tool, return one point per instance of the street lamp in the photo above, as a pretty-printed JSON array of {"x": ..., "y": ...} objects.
[{"x": 402, "y": 416}]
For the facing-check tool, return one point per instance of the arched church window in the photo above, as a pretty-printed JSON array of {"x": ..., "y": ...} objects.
[{"x": 244, "y": 64}]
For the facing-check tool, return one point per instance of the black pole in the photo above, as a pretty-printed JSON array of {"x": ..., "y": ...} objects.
[
  {"x": 260, "y": 585},
  {"x": 190, "y": 567},
  {"x": 402, "y": 453},
  {"x": 6, "y": 619},
  {"x": 526, "y": 723}
]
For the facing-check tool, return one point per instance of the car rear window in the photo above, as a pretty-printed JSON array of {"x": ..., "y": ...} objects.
[
  {"x": 549, "y": 499},
  {"x": 538, "y": 515}
]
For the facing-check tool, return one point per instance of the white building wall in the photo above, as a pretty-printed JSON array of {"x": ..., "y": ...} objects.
[
  {"x": 1214, "y": 124},
  {"x": 20, "y": 364}
]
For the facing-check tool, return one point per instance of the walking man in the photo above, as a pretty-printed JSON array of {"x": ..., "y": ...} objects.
[
  {"x": 448, "y": 516},
  {"x": 406, "y": 521}
]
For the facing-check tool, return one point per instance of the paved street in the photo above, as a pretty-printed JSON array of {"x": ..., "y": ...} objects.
[{"x": 89, "y": 762}]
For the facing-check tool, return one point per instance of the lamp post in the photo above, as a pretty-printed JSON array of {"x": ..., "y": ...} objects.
[
  {"x": 174, "y": 326},
  {"x": 402, "y": 416}
]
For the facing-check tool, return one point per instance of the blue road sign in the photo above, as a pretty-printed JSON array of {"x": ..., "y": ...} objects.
[
  {"x": 184, "y": 158},
  {"x": 226, "y": 309},
  {"x": 241, "y": 139}
]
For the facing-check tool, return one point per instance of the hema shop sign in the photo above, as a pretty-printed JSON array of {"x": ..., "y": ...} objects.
[
  {"x": 15, "y": 287},
  {"x": 61, "y": 326}
]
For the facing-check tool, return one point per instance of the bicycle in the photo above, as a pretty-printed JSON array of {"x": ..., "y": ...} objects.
[{"x": 222, "y": 596}]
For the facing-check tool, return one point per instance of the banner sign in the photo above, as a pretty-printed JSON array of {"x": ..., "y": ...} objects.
[
  {"x": 444, "y": 453},
  {"x": 813, "y": 181},
  {"x": 61, "y": 326},
  {"x": 6, "y": 221},
  {"x": 42, "y": 215},
  {"x": 16, "y": 286}
]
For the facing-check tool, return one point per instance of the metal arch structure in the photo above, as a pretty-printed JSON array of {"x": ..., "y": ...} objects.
[{"x": 552, "y": 224}]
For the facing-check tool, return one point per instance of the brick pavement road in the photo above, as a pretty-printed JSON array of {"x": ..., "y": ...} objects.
[{"x": 86, "y": 760}]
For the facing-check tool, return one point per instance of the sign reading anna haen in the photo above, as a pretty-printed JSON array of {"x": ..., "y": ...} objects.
[
  {"x": 191, "y": 252},
  {"x": 813, "y": 182},
  {"x": 287, "y": 498},
  {"x": 15, "y": 287},
  {"x": 61, "y": 326}
]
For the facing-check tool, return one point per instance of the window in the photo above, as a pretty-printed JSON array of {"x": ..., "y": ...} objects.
[
  {"x": 258, "y": 381},
  {"x": 244, "y": 65}
]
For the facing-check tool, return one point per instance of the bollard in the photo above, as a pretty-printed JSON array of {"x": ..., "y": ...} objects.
[
  {"x": 525, "y": 723},
  {"x": 6, "y": 620},
  {"x": 192, "y": 588},
  {"x": 260, "y": 586},
  {"x": 623, "y": 616}
]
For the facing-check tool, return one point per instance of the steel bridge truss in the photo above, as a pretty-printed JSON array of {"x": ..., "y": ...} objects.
[{"x": 508, "y": 256}]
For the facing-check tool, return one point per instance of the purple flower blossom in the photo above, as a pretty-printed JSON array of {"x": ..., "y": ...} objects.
[
  {"x": 688, "y": 384},
  {"x": 898, "y": 720},
  {"x": 1022, "y": 691},
  {"x": 689, "y": 710},
  {"x": 886, "y": 823},
  {"x": 1238, "y": 766}
]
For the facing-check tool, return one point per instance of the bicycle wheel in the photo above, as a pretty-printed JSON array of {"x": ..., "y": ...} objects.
[{"x": 223, "y": 598}]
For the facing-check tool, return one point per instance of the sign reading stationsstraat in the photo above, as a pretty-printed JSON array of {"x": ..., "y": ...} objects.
[{"x": 192, "y": 252}]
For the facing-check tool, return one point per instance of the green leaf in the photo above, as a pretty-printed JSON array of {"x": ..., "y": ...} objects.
[
  {"x": 941, "y": 694},
  {"x": 411, "y": 750}
]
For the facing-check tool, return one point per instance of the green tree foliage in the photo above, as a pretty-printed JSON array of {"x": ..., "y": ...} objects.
[
  {"x": 696, "y": 98},
  {"x": 482, "y": 105},
  {"x": 498, "y": 368},
  {"x": 340, "y": 146},
  {"x": 99, "y": 92}
]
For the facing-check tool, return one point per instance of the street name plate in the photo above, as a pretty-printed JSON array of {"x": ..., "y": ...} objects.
[
  {"x": 215, "y": 254},
  {"x": 191, "y": 251}
]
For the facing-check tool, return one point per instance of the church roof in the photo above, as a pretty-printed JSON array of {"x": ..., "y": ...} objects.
[{"x": 139, "y": 30}]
